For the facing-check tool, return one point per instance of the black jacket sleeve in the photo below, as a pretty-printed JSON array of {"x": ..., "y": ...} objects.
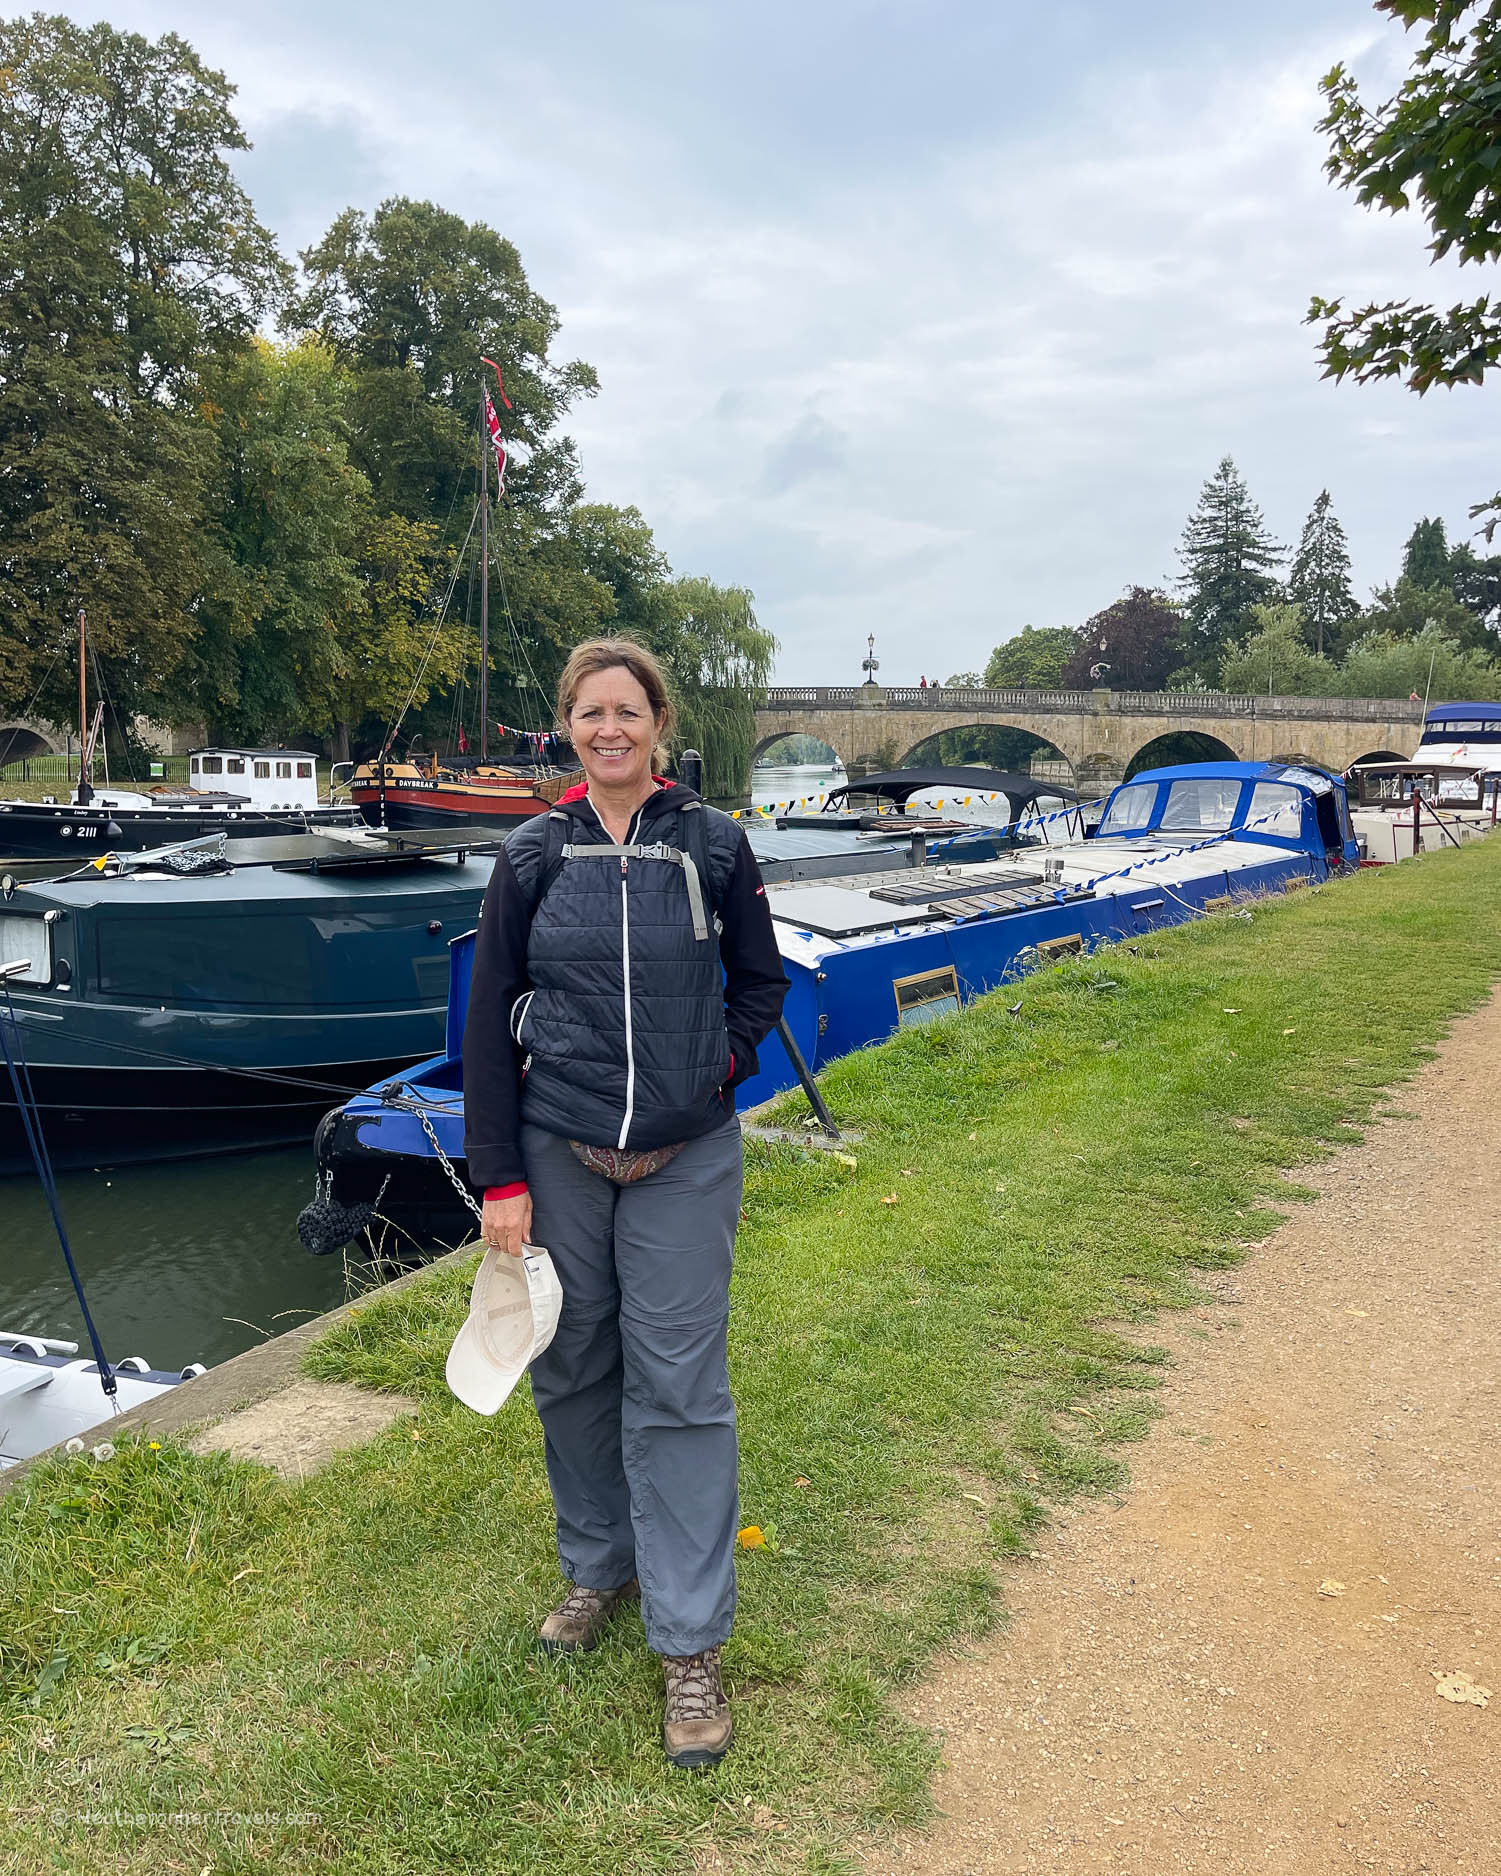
[
  {"x": 754, "y": 981},
  {"x": 492, "y": 1061}
]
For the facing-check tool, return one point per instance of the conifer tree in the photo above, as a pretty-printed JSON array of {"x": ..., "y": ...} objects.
[
  {"x": 1426, "y": 558},
  {"x": 1228, "y": 558},
  {"x": 1319, "y": 581}
]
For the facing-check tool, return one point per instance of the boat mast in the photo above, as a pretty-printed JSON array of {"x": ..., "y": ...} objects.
[
  {"x": 83, "y": 708},
  {"x": 484, "y": 585}
]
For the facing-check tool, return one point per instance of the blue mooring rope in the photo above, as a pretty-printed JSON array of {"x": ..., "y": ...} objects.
[{"x": 31, "y": 1121}]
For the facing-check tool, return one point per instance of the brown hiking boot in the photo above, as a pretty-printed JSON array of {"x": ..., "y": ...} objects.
[
  {"x": 697, "y": 1729},
  {"x": 577, "y": 1623}
]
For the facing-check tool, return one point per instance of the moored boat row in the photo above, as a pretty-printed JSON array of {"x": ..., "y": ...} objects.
[{"x": 869, "y": 952}]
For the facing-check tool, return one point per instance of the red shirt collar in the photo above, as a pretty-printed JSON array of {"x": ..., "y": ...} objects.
[{"x": 580, "y": 791}]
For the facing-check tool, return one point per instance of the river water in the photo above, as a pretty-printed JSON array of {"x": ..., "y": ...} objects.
[
  {"x": 197, "y": 1260},
  {"x": 192, "y": 1261}
]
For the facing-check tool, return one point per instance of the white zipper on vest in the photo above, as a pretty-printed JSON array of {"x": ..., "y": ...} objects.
[{"x": 625, "y": 972}]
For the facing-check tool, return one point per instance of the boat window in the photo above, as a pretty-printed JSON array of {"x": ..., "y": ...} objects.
[
  {"x": 284, "y": 771},
  {"x": 1131, "y": 808},
  {"x": 304, "y": 771},
  {"x": 26, "y": 941},
  {"x": 263, "y": 771},
  {"x": 1201, "y": 804},
  {"x": 213, "y": 765},
  {"x": 235, "y": 765},
  {"x": 1283, "y": 804}
]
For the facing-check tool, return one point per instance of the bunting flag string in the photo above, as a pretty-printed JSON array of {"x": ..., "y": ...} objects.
[{"x": 541, "y": 741}]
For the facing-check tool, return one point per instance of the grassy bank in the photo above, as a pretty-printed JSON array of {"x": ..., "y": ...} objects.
[{"x": 920, "y": 1371}]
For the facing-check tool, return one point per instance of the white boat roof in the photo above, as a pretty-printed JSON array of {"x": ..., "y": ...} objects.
[
  {"x": 236, "y": 749},
  {"x": 815, "y": 917},
  {"x": 1413, "y": 765}
]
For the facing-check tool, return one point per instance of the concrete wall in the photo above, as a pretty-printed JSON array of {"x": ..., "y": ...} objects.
[{"x": 1099, "y": 732}]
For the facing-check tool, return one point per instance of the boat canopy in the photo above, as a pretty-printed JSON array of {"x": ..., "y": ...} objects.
[
  {"x": 1459, "y": 718},
  {"x": 1279, "y": 802},
  {"x": 897, "y": 784}
]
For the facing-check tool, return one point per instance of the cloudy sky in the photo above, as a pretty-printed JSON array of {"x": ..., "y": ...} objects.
[{"x": 926, "y": 318}]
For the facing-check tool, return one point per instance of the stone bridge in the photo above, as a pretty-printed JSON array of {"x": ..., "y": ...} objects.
[
  {"x": 20, "y": 736},
  {"x": 1100, "y": 733}
]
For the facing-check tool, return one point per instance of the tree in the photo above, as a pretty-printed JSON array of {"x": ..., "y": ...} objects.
[
  {"x": 1318, "y": 582},
  {"x": 317, "y": 611},
  {"x": 1228, "y": 557},
  {"x": 1433, "y": 664},
  {"x": 717, "y": 657},
  {"x": 720, "y": 661},
  {"x": 290, "y": 509},
  {"x": 964, "y": 680},
  {"x": 1476, "y": 584},
  {"x": 1134, "y": 644},
  {"x": 1406, "y": 611},
  {"x": 411, "y": 298},
  {"x": 1426, "y": 558},
  {"x": 1434, "y": 141},
  {"x": 1032, "y": 660},
  {"x": 1274, "y": 659},
  {"x": 128, "y": 255}
]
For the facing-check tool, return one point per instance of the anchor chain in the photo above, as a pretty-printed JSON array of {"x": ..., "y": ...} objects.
[{"x": 447, "y": 1164}]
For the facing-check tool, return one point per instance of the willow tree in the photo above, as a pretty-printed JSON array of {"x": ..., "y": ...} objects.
[{"x": 720, "y": 660}]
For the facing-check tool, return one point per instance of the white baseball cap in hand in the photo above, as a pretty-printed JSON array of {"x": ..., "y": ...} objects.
[{"x": 513, "y": 1313}]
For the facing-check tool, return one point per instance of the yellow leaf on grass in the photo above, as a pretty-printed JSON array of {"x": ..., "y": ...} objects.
[
  {"x": 1290, "y": 1032},
  {"x": 1460, "y": 1689},
  {"x": 752, "y": 1538},
  {"x": 890, "y": 1199}
]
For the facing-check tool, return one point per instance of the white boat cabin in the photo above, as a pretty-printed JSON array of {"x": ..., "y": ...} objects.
[{"x": 267, "y": 778}]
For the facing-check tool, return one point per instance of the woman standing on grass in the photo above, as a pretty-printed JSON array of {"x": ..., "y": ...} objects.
[{"x": 624, "y": 972}]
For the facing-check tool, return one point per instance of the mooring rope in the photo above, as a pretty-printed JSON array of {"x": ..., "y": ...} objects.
[{"x": 31, "y": 1122}]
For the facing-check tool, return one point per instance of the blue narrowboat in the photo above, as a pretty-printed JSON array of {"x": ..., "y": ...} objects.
[{"x": 872, "y": 951}]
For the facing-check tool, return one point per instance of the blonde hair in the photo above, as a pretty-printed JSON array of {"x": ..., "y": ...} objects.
[{"x": 612, "y": 654}]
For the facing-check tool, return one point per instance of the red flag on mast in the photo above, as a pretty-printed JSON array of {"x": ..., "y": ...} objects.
[
  {"x": 494, "y": 426},
  {"x": 493, "y": 422}
]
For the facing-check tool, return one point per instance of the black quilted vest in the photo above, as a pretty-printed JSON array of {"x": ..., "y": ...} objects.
[{"x": 623, "y": 1031}]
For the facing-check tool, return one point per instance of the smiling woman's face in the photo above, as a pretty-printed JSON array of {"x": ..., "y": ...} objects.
[{"x": 614, "y": 731}]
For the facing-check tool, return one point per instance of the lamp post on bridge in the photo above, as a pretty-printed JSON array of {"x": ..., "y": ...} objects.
[{"x": 870, "y": 664}]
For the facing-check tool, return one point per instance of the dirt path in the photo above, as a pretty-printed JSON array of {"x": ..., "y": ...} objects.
[{"x": 1176, "y": 1691}]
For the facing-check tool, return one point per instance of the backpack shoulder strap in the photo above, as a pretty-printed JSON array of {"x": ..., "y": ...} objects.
[
  {"x": 695, "y": 824},
  {"x": 554, "y": 839}
]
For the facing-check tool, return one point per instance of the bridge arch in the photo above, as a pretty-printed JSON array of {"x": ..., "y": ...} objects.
[
  {"x": 992, "y": 745},
  {"x": 796, "y": 747},
  {"x": 1379, "y": 755},
  {"x": 1176, "y": 746},
  {"x": 19, "y": 740}
]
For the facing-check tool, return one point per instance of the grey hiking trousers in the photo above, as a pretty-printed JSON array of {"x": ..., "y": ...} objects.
[{"x": 634, "y": 1390}]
